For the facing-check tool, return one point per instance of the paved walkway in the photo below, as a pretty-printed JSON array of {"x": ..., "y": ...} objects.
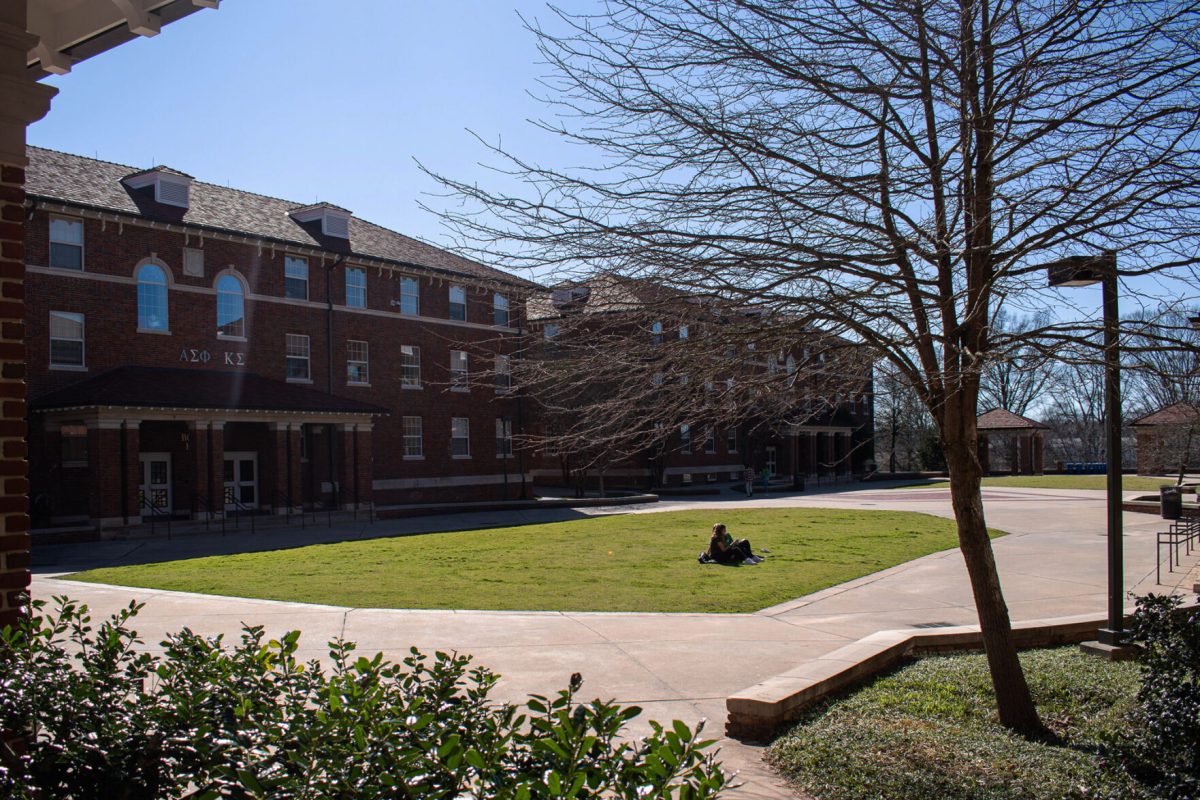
[{"x": 674, "y": 665}]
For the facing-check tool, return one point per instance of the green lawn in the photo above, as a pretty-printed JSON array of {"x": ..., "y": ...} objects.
[
  {"x": 625, "y": 562},
  {"x": 929, "y": 730},
  {"x": 1129, "y": 483}
]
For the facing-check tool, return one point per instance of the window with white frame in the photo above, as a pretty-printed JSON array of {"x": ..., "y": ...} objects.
[
  {"x": 295, "y": 277},
  {"x": 731, "y": 440},
  {"x": 500, "y": 309},
  {"x": 66, "y": 243},
  {"x": 152, "y": 298},
  {"x": 231, "y": 307},
  {"x": 685, "y": 438},
  {"x": 357, "y": 363},
  {"x": 460, "y": 437},
  {"x": 356, "y": 287},
  {"x": 710, "y": 442},
  {"x": 414, "y": 439},
  {"x": 410, "y": 296},
  {"x": 298, "y": 357},
  {"x": 458, "y": 370},
  {"x": 66, "y": 339},
  {"x": 410, "y": 366},
  {"x": 458, "y": 302},
  {"x": 503, "y": 373},
  {"x": 656, "y": 379},
  {"x": 683, "y": 331},
  {"x": 504, "y": 448},
  {"x": 550, "y": 330},
  {"x": 656, "y": 333}
]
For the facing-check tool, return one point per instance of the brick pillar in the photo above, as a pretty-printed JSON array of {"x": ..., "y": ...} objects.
[
  {"x": 113, "y": 473},
  {"x": 1039, "y": 447},
  {"x": 1014, "y": 455},
  {"x": 22, "y": 101},
  {"x": 814, "y": 468},
  {"x": 984, "y": 455},
  {"x": 284, "y": 460},
  {"x": 204, "y": 500},
  {"x": 356, "y": 468},
  {"x": 216, "y": 449},
  {"x": 1027, "y": 454},
  {"x": 844, "y": 450}
]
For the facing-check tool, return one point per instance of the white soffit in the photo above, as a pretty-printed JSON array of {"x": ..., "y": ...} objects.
[{"x": 70, "y": 31}]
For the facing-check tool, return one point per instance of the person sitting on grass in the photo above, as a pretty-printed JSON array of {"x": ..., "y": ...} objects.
[{"x": 724, "y": 549}]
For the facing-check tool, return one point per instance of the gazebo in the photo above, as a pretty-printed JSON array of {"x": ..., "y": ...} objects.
[
  {"x": 1026, "y": 440},
  {"x": 1167, "y": 438}
]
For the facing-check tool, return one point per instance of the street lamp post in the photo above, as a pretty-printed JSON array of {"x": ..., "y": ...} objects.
[{"x": 1086, "y": 271}]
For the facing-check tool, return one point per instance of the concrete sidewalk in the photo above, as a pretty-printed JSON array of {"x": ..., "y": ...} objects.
[{"x": 674, "y": 665}]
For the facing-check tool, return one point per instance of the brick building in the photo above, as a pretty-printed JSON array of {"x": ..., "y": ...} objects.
[
  {"x": 195, "y": 349},
  {"x": 1168, "y": 439},
  {"x": 804, "y": 400}
]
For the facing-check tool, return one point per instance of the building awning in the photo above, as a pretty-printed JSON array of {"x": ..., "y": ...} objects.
[{"x": 177, "y": 389}]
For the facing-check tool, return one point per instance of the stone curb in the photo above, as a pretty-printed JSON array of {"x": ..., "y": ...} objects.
[{"x": 758, "y": 712}]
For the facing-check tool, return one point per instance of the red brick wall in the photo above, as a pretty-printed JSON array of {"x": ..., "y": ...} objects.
[
  {"x": 14, "y": 486},
  {"x": 110, "y": 308}
]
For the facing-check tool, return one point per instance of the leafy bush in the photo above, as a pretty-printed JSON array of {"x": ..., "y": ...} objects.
[
  {"x": 1166, "y": 745},
  {"x": 87, "y": 713}
]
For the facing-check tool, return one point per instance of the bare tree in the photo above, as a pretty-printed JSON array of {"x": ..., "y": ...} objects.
[
  {"x": 1020, "y": 374},
  {"x": 1163, "y": 360},
  {"x": 890, "y": 172},
  {"x": 902, "y": 422}
]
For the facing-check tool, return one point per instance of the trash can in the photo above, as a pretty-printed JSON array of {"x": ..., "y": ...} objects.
[{"x": 1171, "y": 502}]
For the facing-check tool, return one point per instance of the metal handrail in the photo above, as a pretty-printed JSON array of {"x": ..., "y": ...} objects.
[
  {"x": 202, "y": 502},
  {"x": 1184, "y": 533},
  {"x": 155, "y": 513},
  {"x": 289, "y": 505},
  {"x": 237, "y": 520}
]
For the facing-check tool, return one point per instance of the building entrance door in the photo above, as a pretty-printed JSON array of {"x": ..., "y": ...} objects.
[
  {"x": 772, "y": 461},
  {"x": 154, "y": 484},
  {"x": 241, "y": 481}
]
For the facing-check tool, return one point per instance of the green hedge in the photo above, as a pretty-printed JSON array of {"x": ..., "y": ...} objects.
[{"x": 88, "y": 713}]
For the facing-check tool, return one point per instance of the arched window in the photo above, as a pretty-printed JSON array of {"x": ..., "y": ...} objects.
[
  {"x": 231, "y": 307},
  {"x": 152, "y": 298}
]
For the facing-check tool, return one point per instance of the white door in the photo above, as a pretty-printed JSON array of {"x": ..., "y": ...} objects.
[
  {"x": 155, "y": 483},
  {"x": 241, "y": 481},
  {"x": 772, "y": 460}
]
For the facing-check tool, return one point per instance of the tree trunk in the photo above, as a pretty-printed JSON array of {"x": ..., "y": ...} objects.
[{"x": 1013, "y": 700}]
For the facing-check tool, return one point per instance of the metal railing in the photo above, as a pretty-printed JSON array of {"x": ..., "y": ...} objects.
[
  {"x": 240, "y": 510},
  {"x": 155, "y": 513},
  {"x": 1183, "y": 535},
  {"x": 202, "y": 503}
]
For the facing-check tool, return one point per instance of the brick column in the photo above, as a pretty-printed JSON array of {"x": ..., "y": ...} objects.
[
  {"x": 285, "y": 466},
  {"x": 205, "y": 500},
  {"x": 216, "y": 448},
  {"x": 22, "y": 101},
  {"x": 355, "y": 474},
  {"x": 113, "y": 473},
  {"x": 1039, "y": 453},
  {"x": 814, "y": 459}
]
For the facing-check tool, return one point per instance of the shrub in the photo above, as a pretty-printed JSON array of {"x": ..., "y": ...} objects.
[
  {"x": 87, "y": 713},
  {"x": 1166, "y": 742}
]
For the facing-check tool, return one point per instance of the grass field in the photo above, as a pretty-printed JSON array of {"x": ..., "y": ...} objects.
[
  {"x": 1129, "y": 483},
  {"x": 929, "y": 730},
  {"x": 624, "y": 562}
]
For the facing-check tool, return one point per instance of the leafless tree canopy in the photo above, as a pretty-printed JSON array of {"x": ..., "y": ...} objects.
[{"x": 888, "y": 171}]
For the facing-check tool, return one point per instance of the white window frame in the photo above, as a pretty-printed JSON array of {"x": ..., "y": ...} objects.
[
  {"x": 62, "y": 243},
  {"x": 410, "y": 294},
  {"x": 731, "y": 440},
  {"x": 683, "y": 331},
  {"x": 458, "y": 304},
  {"x": 356, "y": 287},
  {"x": 685, "y": 438},
  {"x": 504, "y": 442},
  {"x": 414, "y": 442},
  {"x": 164, "y": 285},
  {"x": 503, "y": 374},
  {"x": 710, "y": 442},
  {"x": 292, "y": 354},
  {"x": 460, "y": 433},
  {"x": 656, "y": 333},
  {"x": 358, "y": 359},
  {"x": 73, "y": 318},
  {"x": 460, "y": 376},
  {"x": 297, "y": 262},
  {"x": 550, "y": 330},
  {"x": 407, "y": 379}
]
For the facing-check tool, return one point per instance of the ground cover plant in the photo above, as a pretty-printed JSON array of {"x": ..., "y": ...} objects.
[
  {"x": 930, "y": 730},
  {"x": 1129, "y": 483},
  {"x": 89, "y": 714},
  {"x": 624, "y": 562}
]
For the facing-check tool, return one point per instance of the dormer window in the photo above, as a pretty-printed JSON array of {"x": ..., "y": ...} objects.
[
  {"x": 334, "y": 221},
  {"x": 171, "y": 187}
]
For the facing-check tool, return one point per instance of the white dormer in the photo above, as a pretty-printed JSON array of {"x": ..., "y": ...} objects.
[
  {"x": 335, "y": 221},
  {"x": 171, "y": 187}
]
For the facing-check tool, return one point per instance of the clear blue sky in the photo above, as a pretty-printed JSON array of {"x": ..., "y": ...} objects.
[{"x": 307, "y": 100}]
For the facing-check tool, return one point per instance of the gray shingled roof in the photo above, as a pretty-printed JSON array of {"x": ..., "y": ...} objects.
[{"x": 62, "y": 177}]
